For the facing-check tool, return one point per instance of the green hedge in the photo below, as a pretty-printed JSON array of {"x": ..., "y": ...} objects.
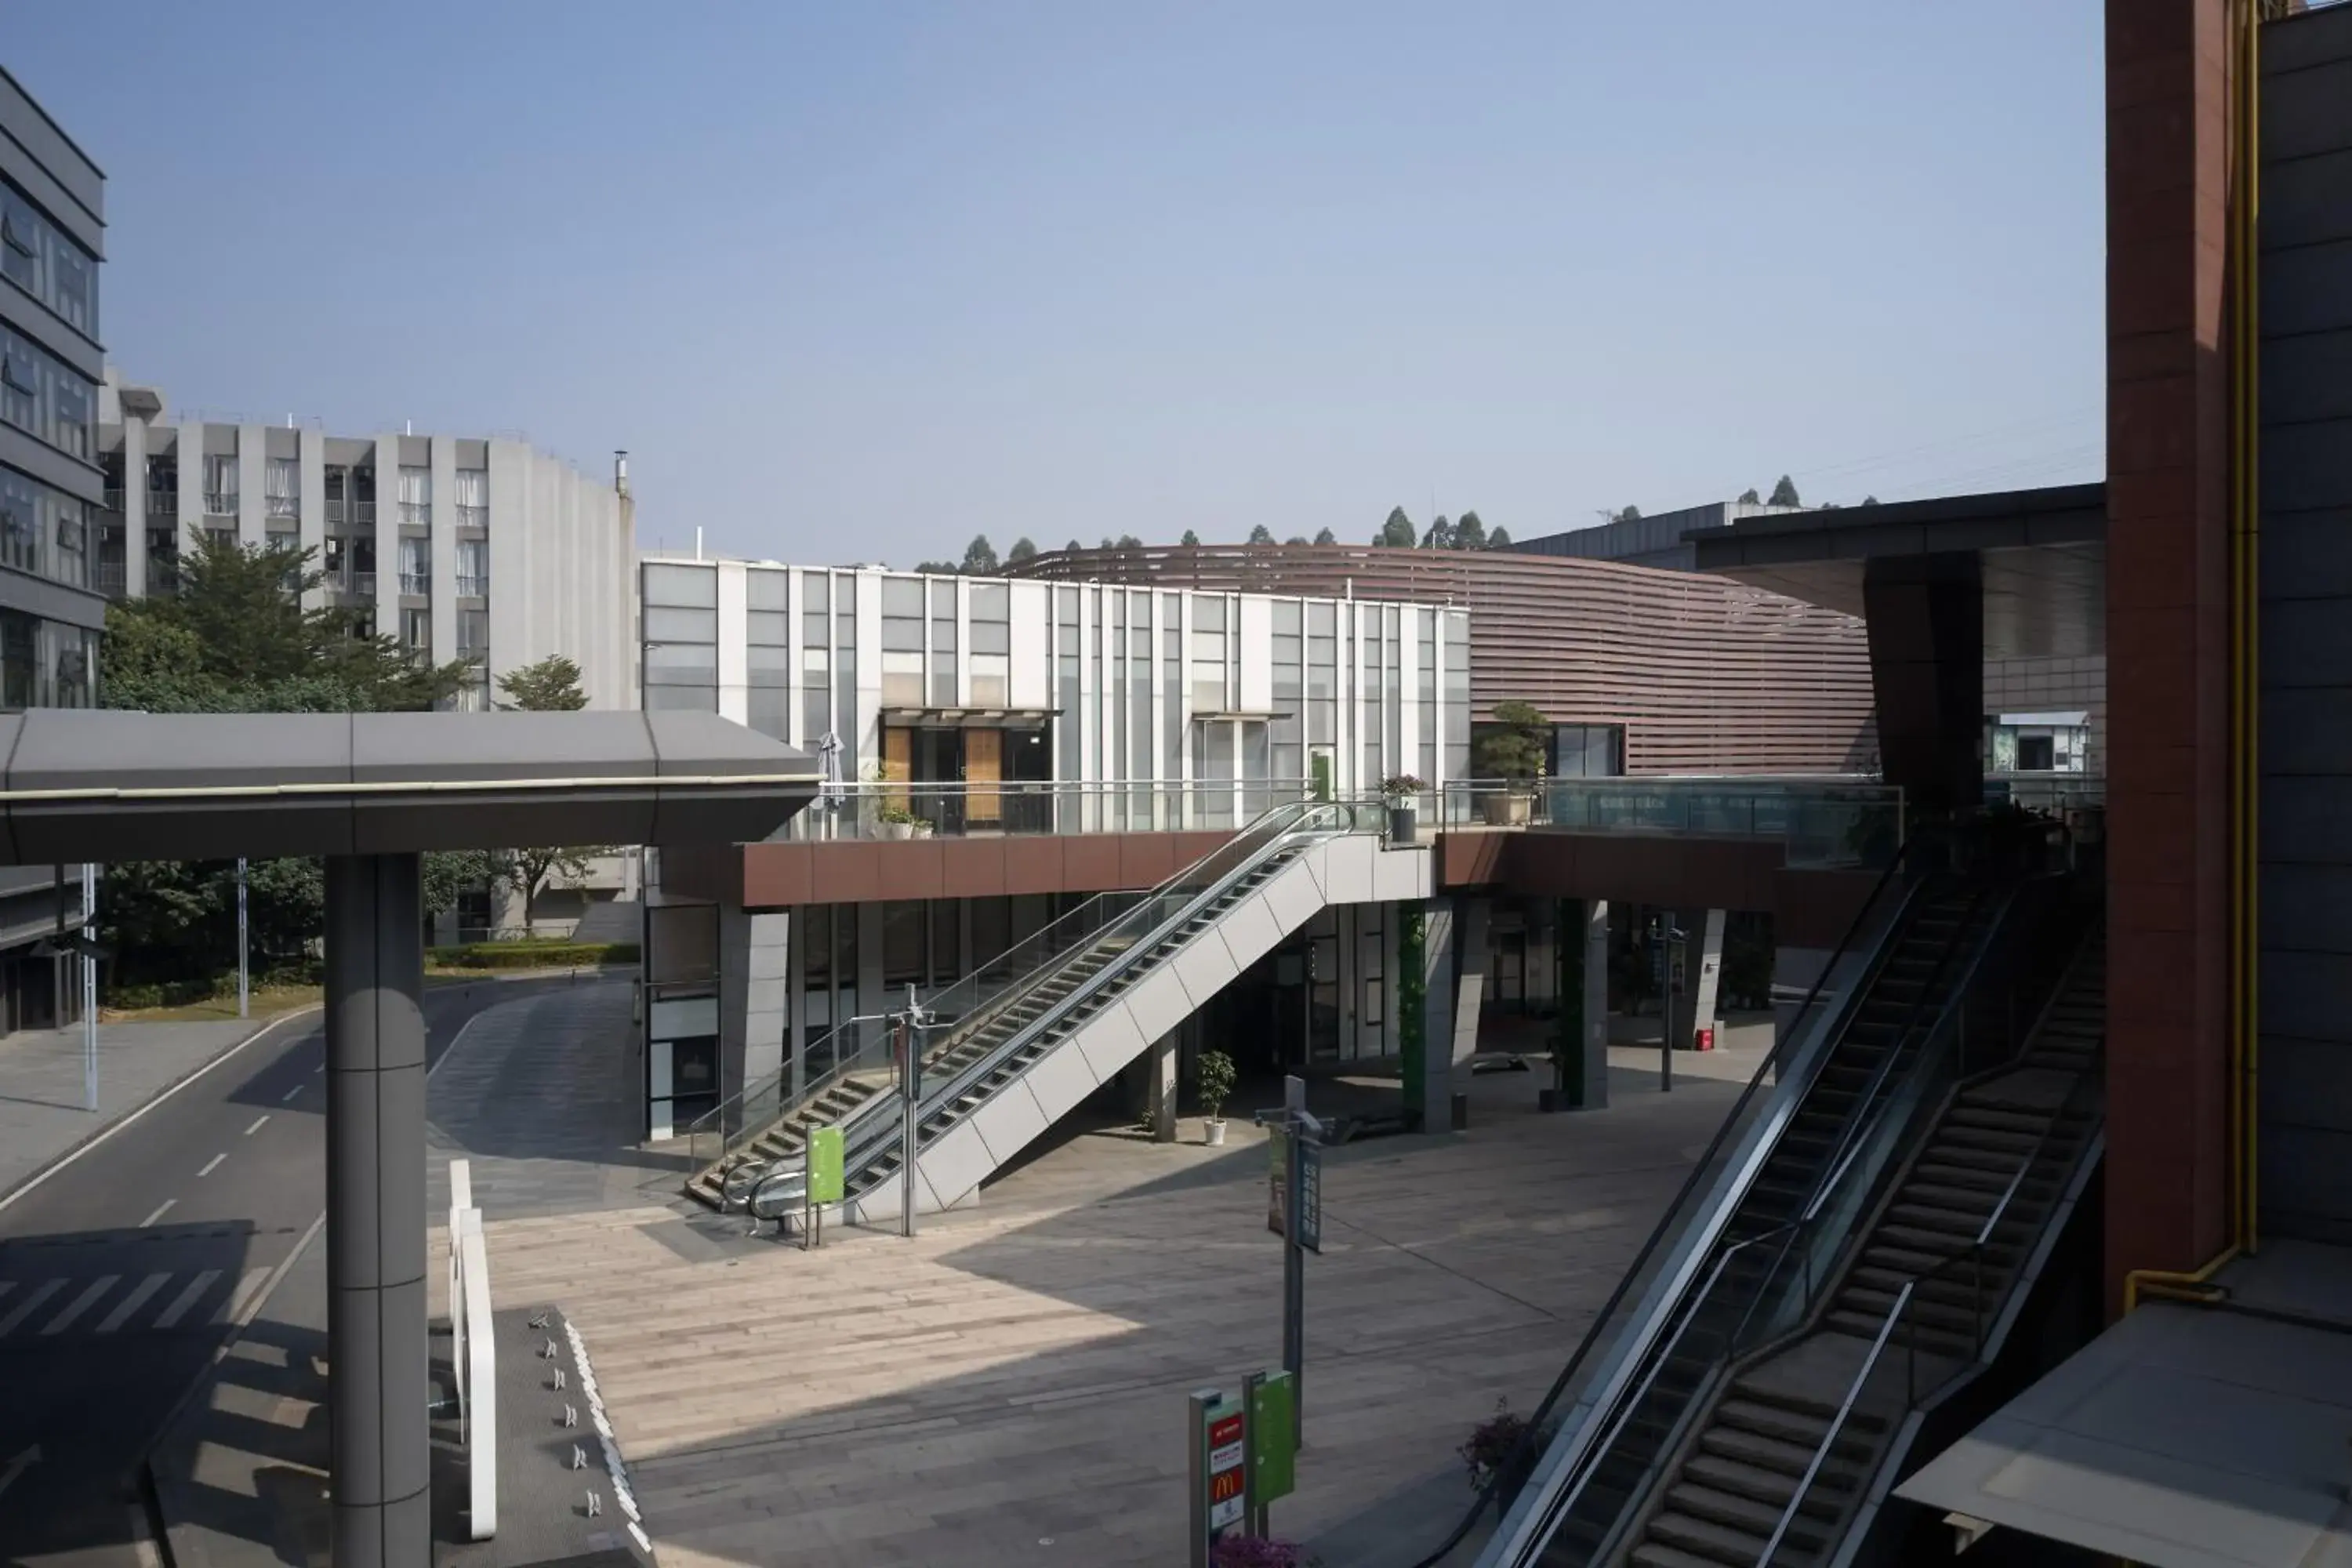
[{"x": 533, "y": 954}]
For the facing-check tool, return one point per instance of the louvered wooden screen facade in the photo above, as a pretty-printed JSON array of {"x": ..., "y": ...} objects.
[{"x": 1708, "y": 675}]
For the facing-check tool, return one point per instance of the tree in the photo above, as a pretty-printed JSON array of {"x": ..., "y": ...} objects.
[
  {"x": 1469, "y": 533},
  {"x": 1325, "y": 536},
  {"x": 551, "y": 686},
  {"x": 1785, "y": 493},
  {"x": 937, "y": 568},
  {"x": 1398, "y": 531},
  {"x": 1296, "y": 539},
  {"x": 1074, "y": 546},
  {"x": 1190, "y": 538},
  {"x": 1499, "y": 540},
  {"x": 1513, "y": 746},
  {"x": 1749, "y": 498},
  {"x": 1869, "y": 500},
  {"x": 978, "y": 556},
  {"x": 1261, "y": 534},
  {"x": 1021, "y": 550},
  {"x": 1628, "y": 514},
  {"x": 1440, "y": 535},
  {"x": 1129, "y": 541}
]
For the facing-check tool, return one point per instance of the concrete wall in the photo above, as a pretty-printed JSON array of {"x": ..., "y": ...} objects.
[{"x": 2306, "y": 981}]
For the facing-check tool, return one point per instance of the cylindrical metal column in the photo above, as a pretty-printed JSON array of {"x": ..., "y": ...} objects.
[{"x": 375, "y": 1213}]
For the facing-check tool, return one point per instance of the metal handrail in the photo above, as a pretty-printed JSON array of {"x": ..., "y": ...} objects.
[
  {"x": 1821, "y": 1454},
  {"x": 1674, "y": 1222}
]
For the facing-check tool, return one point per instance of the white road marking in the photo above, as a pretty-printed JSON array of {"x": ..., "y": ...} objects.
[
  {"x": 244, "y": 1288},
  {"x": 80, "y": 1304},
  {"x": 187, "y": 1298},
  {"x": 289, "y": 1094},
  {"x": 28, "y": 1306},
  {"x": 131, "y": 1303},
  {"x": 256, "y": 1124},
  {"x": 160, "y": 1212},
  {"x": 210, "y": 1163}
]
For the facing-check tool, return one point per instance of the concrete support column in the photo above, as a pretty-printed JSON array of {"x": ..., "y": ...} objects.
[
  {"x": 381, "y": 1455},
  {"x": 1926, "y": 675},
  {"x": 1595, "y": 1004},
  {"x": 1160, "y": 1062},
  {"x": 1694, "y": 1005},
  {"x": 1470, "y": 986},
  {"x": 1435, "y": 1089},
  {"x": 753, "y": 971}
]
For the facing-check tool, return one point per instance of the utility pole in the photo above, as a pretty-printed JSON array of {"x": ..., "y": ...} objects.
[
  {"x": 89, "y": 985},
  {"x": 910, "y": 1102}
]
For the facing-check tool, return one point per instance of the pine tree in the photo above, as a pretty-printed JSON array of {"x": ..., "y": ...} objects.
[
  {"x": 1785, "y": 493},
  {"x": 1325, "y": 536},
  {"x": 1469, "y": 533},
  {"x": 1021, "y": 550},
  {"x": 978, "y": 556},
  {"x": 1261, "y": 534},
  {"x": 1398, "y": 531},
  {"x": 1190, "y": 538},
  {"x": 1749, "y": 498}
]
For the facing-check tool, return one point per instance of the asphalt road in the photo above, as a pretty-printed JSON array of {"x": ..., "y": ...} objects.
[{"x": 124, "y": 1273}]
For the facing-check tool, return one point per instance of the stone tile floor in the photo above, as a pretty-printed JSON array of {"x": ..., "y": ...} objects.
[{"x": 1008, "y": 1386}]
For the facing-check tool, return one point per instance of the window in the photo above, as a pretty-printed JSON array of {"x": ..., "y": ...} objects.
[
  {"x": 220, "y": 484},
  {"x": 46, "y": 262},
  {"x": 473, "y": 498},
  {"x": 43, "y": 397},
  {"x": 992, "y": 644},
  {"x": 1208, "y": 654},
  {"x": 767, "y": 669},
  {"x": 416, "y": 566},
  {"x": 282, "y": 486},
  {"x": 943, "y": 643},
  {"x": 681, "y": 638},
  {"x": 416, "y": 495},
  {"x": 416, "y": 630},
  {"x": 473, "y": 568},
  {"x": 473, "y": 634},
  {"x": 902, "y": 641},
  {"x": 42, "y": 531}
]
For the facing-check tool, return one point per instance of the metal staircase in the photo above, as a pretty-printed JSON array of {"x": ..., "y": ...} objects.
[
  {"x": 994, "y": 1027},
  {"x": 1702, "y": 1420}
]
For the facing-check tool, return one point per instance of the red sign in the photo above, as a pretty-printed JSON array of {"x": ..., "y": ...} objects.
[{"x": 1223, "y": 1431}]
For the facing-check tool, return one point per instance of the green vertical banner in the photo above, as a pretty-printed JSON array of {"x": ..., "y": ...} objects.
[
  {"x": 825, "y": 1182},
  {"x": 1274, "y": 1454}
]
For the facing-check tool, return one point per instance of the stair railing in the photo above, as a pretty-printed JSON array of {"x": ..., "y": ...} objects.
[
  {"x": 2073, "y": 1116},
  {"x": 1678, "y": 1244},
  {"x": 1137, "y": 932}
]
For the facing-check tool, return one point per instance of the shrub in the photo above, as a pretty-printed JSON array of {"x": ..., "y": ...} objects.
[
  {"x": 1502, "y": 1447},
  {"x": 533, "y": 954},
  {"x": 1259, "y": 1552}
]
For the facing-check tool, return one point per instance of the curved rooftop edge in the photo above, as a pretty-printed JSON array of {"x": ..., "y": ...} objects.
[{"x": 105, "y": 786}]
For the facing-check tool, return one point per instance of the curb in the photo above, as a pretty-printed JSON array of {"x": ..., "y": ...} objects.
[{"x": 98, "y": 1135}]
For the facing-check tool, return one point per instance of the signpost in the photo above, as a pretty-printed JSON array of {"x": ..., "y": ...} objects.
[
  {"x": 822, "y": 1185},
  {"x": 1295, "y": 1213},
  {"x": 1272, "y": 1445},
  {"x": 1220, "y": 1468},
  {"x": 910, "y": 1096}
]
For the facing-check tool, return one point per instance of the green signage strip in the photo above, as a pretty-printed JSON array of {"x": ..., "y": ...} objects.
[
  {"x": 824, "y": 1184},
  {"x": 1274, "y": 1455}
]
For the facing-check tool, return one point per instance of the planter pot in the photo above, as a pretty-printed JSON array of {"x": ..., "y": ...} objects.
[
  {"x": 1212, "y": 1133},
  {"x": 921, "y": 830},
  {"x": 897, "y": 830},
  {"x": 1404, "y": 824},
  {"x": 1511, "y": 810}
]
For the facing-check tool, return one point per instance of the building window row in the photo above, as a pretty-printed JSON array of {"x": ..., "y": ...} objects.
[
  {"x": 44, "y": 397},
  {"x": 46, "y": 664},
  {"x": 43, "y": 530},
  {"x": 46, "y": 262}
]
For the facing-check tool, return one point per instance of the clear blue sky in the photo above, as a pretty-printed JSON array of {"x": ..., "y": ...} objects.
[{"x": 854, "y": 281}]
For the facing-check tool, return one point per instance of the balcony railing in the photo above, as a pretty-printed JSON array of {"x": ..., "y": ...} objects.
[
  {"x": 338, "y": 510},
  {"x": 361, "y": 584},
  {"x": 220, "y": 503},
  {"x": 363, "y": 513},
  {"x": 473, "y": 587},
  {"x": 416, "y": 514},
  {"x": 970, "y": 810},
  {"x": 112, "y": 579},
  {"x": 285, "y": 506},
  {"x": 1823, "y": 820},
  {"x": 162, "y": 503},
  {"x": 473, "y": 516},
  {"x": 419, "y": 583},
  {"x": 113, "y": 499}
]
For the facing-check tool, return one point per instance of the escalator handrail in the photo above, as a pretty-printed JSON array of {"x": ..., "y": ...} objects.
[
  {"x": 1602, "y": 1320},
  {"x": 867, "y": 1131}
]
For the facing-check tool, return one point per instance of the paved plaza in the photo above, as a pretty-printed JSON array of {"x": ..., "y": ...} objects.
[{"x": 1009, "y": 1387}]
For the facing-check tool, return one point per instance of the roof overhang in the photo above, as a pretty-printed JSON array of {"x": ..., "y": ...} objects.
[
  {"x": 93, "y": 785},
  {"x": 968, "y": 718},
  {"x": 2044, "y": 553},
  {"x": 2184, "y": 1436}
]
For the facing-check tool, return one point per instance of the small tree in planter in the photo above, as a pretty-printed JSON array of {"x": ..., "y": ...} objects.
[
  {"x": 1502, "y": 1451},
  {"x": 1402, "y": 793},
  {"x": 1512, "y": 750},
  {"x": 1215, "y": 1074}
]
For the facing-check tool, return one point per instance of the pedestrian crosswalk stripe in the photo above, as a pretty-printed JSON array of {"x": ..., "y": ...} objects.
[
  {"x": 187, "y": 1298},
  {"x": 131, "y": 1303},
  {"x": 244, "y": 1290},
  {"x": 80, "y": 1304},
  {"x": 29, "y": 1305}
]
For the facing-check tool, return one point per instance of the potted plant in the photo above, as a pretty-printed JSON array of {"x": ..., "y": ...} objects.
[
  {"x": 1512, "y": 750},
  {"x": 1215, "y": 1073},
  {"x": 1502, "y": 1450},
  {"x": 898, "y": 822},
  {"x": 1403, "y": 795}
]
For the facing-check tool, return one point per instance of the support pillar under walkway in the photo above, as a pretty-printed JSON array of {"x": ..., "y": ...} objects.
[{"x": 379, "y": 1440}]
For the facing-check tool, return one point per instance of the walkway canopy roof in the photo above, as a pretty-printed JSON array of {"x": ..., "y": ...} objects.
[
  {"x": 95, "y": 784},
  {"x": 2045, "y": 557}
]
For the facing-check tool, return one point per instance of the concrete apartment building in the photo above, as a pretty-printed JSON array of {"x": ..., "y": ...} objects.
[
  {"x": 480, "y": 548},
  {"x": 52, "y": 241}
]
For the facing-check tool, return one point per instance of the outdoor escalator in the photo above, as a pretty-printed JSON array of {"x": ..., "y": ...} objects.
[{"x": 1939, "y": 979}]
